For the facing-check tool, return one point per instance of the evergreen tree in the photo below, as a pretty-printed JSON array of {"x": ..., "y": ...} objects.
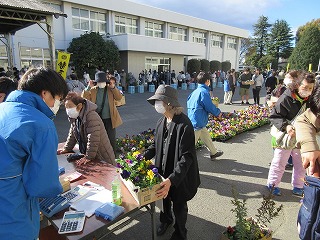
[
  {"x": 215, "y": 65},
  {"x": 307, "y": 50},
  {"x": 91, "y": 50},
  {"x": 193, "y": 66},
  {"x": 300, "y": 31},
  {"x": 280, "y": 44},
  {"x": 205, "y": 65},
  {"x": 261, "y": 35}
]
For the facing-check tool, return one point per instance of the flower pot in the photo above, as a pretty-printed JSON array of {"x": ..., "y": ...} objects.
[
  {"x": 216, "y": 102},
  {"x": 224, "y": 237}
]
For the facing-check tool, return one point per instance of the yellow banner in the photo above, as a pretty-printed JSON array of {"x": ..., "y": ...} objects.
[
  {"x": 310, "y": 67},
  {"x": 288, "y": 67},
  {"x": 62, "y": 63}
]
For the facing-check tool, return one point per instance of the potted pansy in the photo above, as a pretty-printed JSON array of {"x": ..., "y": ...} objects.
[
  {"x": 140, "y": 176},
  {"x": 215, "y": 101}
]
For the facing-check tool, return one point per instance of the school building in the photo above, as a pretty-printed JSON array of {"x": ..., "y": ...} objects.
[{"x": 147, "y": 37}]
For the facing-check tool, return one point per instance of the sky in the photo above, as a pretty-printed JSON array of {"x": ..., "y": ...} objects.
[{"x": 243, "y": 13}]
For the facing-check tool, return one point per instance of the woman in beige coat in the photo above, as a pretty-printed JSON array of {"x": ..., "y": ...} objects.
[{"x": 87, "y": 130}]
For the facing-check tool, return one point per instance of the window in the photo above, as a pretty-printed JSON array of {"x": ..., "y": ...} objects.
[
  {"x": 126, "y": 25},
  {"x": 178, "y": 33},
  {"x": 157, "y": 63},
  {"x": 88, "y": 20},
  {"x": 36, "y": 57},
  {"x": 199, "y": 37},
  {"x": 3, "y": 56},
  {"x": 3, "y": 51},
  {"x": 153, "y": 29},
  {"x": 216, "y": 40},
  {"x": 232, "y": 42}
]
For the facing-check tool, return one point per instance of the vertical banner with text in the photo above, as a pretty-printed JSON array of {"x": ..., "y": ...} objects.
[{"x": 62, "y": 63}]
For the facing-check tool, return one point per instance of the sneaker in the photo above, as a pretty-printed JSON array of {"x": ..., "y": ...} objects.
[
  {"x": 242, "y": 103},
  {"x": 217, "y": 154},
  {"x": 248, "y": 103},
  {"x": 289, "y": 166},
  {"x": 276, "y": 191},
  {"x": 297, "y": 191}
]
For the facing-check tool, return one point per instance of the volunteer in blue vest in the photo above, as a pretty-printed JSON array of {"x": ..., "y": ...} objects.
[{"x": 28, "y": 146}]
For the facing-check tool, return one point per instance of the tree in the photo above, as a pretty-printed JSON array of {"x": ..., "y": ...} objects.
[
  {"x": 193, "y": 66},
  {"x": 265, "y": 61},
  {"x": 280, "y": 44},
  {"x": 91, "y": 50},
  {"x": 307, "y": 50},
  {"x": 204, "y": 65},
  {"x": 225, "y": 66},
  {"x": 261, "y": 35},
  {"x": 215, "y": 65},
  {"x": 246, "y": 45},
  {"x": 300, "y": 31}
]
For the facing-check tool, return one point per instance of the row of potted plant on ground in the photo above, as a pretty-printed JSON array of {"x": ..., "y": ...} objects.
[{"x": 230, "y": 125}]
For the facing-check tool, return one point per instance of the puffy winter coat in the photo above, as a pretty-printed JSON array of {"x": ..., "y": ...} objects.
[{"x": 93, "y": 134}]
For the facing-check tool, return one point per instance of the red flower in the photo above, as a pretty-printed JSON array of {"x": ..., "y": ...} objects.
[{"x": 230, "y": 230}]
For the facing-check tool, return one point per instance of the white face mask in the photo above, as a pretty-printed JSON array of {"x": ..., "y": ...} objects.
[
  {"x": 101, "y": 84},
  {"x": 55, "y": 107},
  {"x": 158, "y": 105},
  {"x": 72, "y": 112},
  {"x": 304, "y": 93},
  {"x": 287, "y": 81}
]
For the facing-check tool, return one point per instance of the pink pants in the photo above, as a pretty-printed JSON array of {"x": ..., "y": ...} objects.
[{"x": 278, "y": 164}]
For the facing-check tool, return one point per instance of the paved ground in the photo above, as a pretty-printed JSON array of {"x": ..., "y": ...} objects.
[{"x": 244, "y": 166}]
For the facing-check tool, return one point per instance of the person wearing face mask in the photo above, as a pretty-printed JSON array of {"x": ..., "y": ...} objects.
[
  {"x": 199, "y": 106},
  {"x": 292, "y": 102},
  {"x": 28, "y": 146},
  {"x": 175, "y": 157},
  {"x": 87, "y": 130},
  {"x": 104, "y": 95}
]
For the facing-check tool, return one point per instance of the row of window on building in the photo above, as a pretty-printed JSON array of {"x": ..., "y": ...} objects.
[{"x": 87, "y": 20}]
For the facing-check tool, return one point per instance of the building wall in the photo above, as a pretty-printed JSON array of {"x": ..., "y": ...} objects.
[
  {"x": 134, "y": 47},
  {"x": 136, "y": 61}
]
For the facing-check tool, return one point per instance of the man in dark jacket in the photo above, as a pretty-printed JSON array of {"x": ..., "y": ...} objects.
[{"x": 176, "y": 159}]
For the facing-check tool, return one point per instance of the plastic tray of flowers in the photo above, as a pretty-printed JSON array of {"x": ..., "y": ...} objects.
[{"x": 140, "y": 176}]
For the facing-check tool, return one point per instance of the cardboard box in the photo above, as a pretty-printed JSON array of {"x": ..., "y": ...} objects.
[
  {"x": 120, "y": 102},
  {"x": 143, "y": 196}
]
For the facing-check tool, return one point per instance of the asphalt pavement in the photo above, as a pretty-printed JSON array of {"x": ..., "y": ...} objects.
[{"x": 243, "y": 166}]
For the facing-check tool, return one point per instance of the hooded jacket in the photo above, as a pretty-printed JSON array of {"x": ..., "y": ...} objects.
[
  {"x": 199, "y": 106},
  {"x": 93, "y": 134},
  {"x": 29, "y": 165}
]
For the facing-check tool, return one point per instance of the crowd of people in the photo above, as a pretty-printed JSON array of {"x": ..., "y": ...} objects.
[{"x": 29, "y": 104}]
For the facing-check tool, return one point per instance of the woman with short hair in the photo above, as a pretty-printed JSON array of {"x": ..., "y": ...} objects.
[{"x": 87, "y": 129}]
